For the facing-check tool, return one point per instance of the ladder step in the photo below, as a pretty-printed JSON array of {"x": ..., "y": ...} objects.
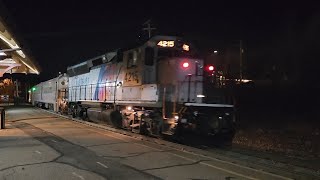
[
  {"x": 167, "y": 133},
  {"x": 134, "y": 125}
]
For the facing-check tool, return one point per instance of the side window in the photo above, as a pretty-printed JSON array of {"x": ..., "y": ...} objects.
[
  {"x": 132, "y": 59},
  {"x": 149, "y": 56}
]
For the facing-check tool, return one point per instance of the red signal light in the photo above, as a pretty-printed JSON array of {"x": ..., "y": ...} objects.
[
  {"x": 210, "y": 68},
  {"x": 185, "y": 65}
]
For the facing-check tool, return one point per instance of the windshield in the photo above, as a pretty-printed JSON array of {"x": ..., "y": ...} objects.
[{"x": 163, "y": 53}]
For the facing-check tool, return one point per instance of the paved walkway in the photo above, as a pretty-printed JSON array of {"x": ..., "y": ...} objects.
[{"x": 40, "y": 145}]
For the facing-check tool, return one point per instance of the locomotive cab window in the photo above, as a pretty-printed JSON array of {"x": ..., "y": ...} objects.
[
  {"x": 149, "y": 56},
  {"x": 133, "y": 57},
  {"x": 165, "y": 53}
]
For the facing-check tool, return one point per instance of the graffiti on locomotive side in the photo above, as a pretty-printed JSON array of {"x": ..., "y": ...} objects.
[{"x": 132, "y": 77}]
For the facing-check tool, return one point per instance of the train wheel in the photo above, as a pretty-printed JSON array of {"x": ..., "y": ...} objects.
[
  {"x": 143, "y": 129},
  {"x": 162, "y": 135},
  {"x": 73, "y": 114},
  {"x": 85, "y": 116},
  {"x": 116, "y": 119}
]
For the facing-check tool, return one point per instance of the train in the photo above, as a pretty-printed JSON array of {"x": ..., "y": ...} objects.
[{"x": 158, "y": 88}]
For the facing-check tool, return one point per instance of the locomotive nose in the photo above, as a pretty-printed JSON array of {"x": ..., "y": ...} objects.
[{"x": 188, "y": 66}]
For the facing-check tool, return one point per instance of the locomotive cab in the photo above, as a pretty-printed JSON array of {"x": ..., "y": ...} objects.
[{"x": 185, "y": 92}]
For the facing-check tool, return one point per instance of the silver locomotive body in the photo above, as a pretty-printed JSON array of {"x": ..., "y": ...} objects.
[{"x": 156, "y": 88}]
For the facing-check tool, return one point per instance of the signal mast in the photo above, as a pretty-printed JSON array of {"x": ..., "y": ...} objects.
[{"x": 148, "y": 28}]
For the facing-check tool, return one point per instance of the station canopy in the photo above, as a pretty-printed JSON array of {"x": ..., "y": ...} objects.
[{"x": 13, "y": 58}]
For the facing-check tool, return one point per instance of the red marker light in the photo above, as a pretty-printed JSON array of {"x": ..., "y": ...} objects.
[
  {"x": 185, "y": 65},
  {"x": 211, "y": 68}
]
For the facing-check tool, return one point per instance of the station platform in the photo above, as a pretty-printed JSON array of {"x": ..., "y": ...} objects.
[{"x": 41, "y": 145}]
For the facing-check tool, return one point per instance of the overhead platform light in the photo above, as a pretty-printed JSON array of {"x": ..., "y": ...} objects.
[{"x": 12, "y": 57}]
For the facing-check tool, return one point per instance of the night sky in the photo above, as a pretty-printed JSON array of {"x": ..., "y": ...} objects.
[{"x": 63, "y": 33}]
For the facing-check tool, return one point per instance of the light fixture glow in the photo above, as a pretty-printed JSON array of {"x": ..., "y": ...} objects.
[
  {"x": 12, "y": 44},
  {"x": 186, "y": 47},
  {"x": 211, "y": 68},
  {"x": 185, "y": 64}
]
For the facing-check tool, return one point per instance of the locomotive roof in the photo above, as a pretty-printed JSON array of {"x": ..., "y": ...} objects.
[
  {"x": 85, "y": 66},
  {"x": 150, "y": 41}
]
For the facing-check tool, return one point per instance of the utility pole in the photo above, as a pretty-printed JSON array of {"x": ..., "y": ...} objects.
[
  {"x": 189, "y": 86},
  {"x": 241, "y": 52},
  {"x": 148, "y": 28},
  {"x": 17, "y": 88},
  {"x": 26, "y": 91}
]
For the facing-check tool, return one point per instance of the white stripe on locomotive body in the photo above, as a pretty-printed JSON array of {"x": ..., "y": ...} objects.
[
  {"x": 99, "y": 85},
  {"x": 90, "y": 86},
  {"x": 86, "y": 83}
]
